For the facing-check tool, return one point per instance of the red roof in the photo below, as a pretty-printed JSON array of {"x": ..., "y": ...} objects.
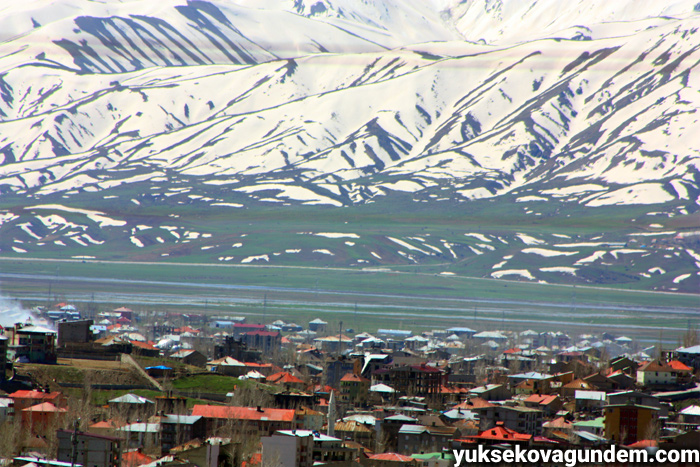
[
  {"x": 501, "y": 433},
  {"x": 349, "y": 377},
  {"x": 560, "y": 423},
  {"x": 391, "y": 456},
  {"x": 133, "y": 458},
  {"x": 542, "y": 439},
  {"x": 678, "y": 366},
  {"x": 426, "y": 368},
  {"x": 262, "y": 333},
  {"x": 248, "y": 326},
  {"x": 541, "y": 399},
  {"x": 255, "y": 459},
  {"x": 257, "y": 365},
  {"x": 655, "y": 365},
  {"x": 38, "y": 395},
  {"x": 44, "y": 407},
  {"x": 106, "y": 424},
  {"x": 244, "y": 413},
  {"x": 283, "y": 377},
  {"x": 324, "y": 389},
  {"x": 143, "y": 345},
  {"x": 514, "y": 350},
  {"x": 453, "y": 390},
  {"x": 645, "y": 443},
  {"x": 474, "y": 403}
]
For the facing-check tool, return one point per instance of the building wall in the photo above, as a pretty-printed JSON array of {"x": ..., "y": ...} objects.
[
  {"x": 3, "y": 356},
  {"x": 628, "y": 424},
  {"x": 91, "y": 451},
  {"x": 650, "y": 378},
  {"x": 287, "y": 451},
  {"x": 74, "y": 331}
]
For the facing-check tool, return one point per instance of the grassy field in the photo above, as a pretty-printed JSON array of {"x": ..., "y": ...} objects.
[
  {"x": 362, "y": 300},
  {"x": 354, "y": 286}
]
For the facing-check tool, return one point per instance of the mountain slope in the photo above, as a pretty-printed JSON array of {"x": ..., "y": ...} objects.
[{"x": 343, "y": 103}]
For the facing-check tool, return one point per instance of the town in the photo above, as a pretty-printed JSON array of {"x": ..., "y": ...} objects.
[{"x": 120, "y": 388}]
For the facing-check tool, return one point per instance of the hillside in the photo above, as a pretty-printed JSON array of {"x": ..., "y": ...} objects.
[{"x": 121, "y": 124}]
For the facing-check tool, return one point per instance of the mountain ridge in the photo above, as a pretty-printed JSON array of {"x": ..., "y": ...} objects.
[{"x": 342, "y": 104}]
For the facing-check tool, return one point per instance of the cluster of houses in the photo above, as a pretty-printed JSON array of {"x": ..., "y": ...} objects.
[{"x": 303, "y": 396}]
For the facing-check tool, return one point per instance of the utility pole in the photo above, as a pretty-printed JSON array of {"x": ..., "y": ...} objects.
[
  {"x": 74, "y": 442},
  {"x": 340, "y": 339}
]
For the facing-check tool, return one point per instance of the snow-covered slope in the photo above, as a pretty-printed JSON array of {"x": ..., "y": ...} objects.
[{"x": 341, "y": 102}]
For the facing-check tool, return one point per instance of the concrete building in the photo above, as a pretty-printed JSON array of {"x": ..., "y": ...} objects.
[
  {"x": 32, "y": 344},
  {"x": 520, "y": 419},
  {"x": 178, "y": 429},
  {"x": 302, "y": 448},
  {"x": 629, "y": 423},
  {"x": 91, "y": 450},
  {"x": 3, "y": 356},
  {"x": 74, "y": 332}
]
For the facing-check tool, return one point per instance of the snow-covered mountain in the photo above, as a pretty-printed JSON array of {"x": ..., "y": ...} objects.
[{"x": 341, "y": 102}]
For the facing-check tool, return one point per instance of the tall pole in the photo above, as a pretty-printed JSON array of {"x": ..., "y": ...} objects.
[
  {"x": 74, "y": 442},
  {"x": 340, "y": 339}
]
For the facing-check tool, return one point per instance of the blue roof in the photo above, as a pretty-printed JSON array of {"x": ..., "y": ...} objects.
[{"x": 159, "y": 367}]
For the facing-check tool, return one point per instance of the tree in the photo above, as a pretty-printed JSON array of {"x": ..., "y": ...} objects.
[{"x": 691, "y": 337}]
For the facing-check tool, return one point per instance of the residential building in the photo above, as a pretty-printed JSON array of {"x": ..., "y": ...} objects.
[
  {"x": 657, "y": 373},
  {"x": 689, "y": 356},
  {"x": 317, "y": 325},
  {"x": 420, "y": 438},
  {"x": 303, "y": 448},
  {"x": 23, "y": 399},
  {"x": 90, "y": 450},
  {"x": 491, "y": 392},
  {"x": 3, "y": 355},
  {"x": 629, "y": 423},
  {"x": 266, "y": 341},
  {"x": 178, "y": 429},
  {"x": 190, "y": 357},
  {"x": 356, "y": 431},
  {"x": 334, "y": 368},
  {"x": 42, "y": 418},
  {"x": 589, "y": 401},
  {"x": 354, "y": 389},
  {"x": 413, "y": 380},
  {"x": 32, "y": 344},
  {"x": 548, "y": 404},
  {"x": 500, "y": 434},
  {"x": 131, "y": 406},
  {"x": 520, "y": 419},
  {"x": 77, "y": 332},
  {"x": 145, "y": 435},
  {"x": 221, "y": 420}
]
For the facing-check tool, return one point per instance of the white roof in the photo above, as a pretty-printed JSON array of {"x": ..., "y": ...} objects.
[
  {"x": 490, "y": 335},
  {"x": 590, "y": 395},
  {"x": 141, "y": 428},
  {"x": 691, "y": 410},
  {"x": 131, "y": 399},
  {"x": 694, "y": 349},
  {"x": 362, "y": 418},
  {"x": 382, "y": 388},
  {"x": 303, "y": 433},
  {"x": 37, "y": 329},
  {"x": 255, "y": 375}
]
